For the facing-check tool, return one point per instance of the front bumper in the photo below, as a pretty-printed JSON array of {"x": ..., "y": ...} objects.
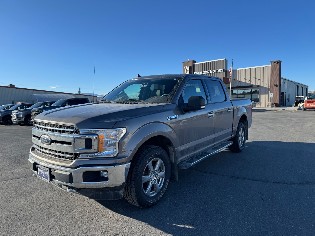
[
  {"x": 17, "y": 120},
  {"x": 83, "y": 177}
]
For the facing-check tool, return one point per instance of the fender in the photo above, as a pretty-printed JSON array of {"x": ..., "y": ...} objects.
[
  {"x": 147, "y": 131},
  {"x": 239, "y": 112}
]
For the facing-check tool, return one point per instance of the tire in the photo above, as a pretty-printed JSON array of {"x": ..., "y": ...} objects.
[
  {"x": 27, "y": 120},
  {"x": 7, "y": 120},
  {"x": 240, "y": 138},
  {"x": 148, "y": 177}
]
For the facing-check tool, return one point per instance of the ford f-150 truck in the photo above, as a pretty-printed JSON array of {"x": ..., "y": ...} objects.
[{"x": 138, "y": 138}]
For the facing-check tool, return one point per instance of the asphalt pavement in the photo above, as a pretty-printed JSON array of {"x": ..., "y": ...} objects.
[{"x": 268, "y": 189}]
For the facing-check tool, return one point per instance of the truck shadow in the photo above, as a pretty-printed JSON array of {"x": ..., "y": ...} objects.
[{"x": 233, "y": 193}]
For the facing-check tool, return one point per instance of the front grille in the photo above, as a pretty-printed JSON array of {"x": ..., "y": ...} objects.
[
  {"x": 56, "y": 154},
  {"x": 55, "y": 127}
]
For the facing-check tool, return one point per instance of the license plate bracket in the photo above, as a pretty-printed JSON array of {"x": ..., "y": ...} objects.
[{"x": 43, "y": 173}]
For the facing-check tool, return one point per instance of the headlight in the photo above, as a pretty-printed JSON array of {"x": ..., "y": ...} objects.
[{"x": 108, "y": 140}]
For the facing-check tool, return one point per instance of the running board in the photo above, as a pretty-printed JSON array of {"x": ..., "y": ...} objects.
[{"x": 191, "y": 161}]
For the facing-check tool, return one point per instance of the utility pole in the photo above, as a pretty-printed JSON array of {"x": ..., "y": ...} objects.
[
  {"x": 231, "y": 78},
  {"x": 93, "y": 84}
]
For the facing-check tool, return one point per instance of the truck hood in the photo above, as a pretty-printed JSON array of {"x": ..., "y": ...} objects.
[{"x": 105, "y": 115}]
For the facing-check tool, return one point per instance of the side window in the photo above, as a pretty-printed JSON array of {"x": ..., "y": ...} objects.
[
  {"x": 193, "y": 88},
  {"x": 133, "y": 91},
  {"x": 216, "y": 91}
]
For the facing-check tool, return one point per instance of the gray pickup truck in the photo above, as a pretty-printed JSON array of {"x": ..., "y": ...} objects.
[{"x": 138, "y": 138}]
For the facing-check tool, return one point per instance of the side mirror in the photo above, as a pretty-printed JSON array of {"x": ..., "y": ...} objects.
[{"x": 195, "y": 103}]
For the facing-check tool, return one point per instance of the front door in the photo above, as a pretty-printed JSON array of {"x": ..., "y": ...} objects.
[{"x": 194, "y": 128}]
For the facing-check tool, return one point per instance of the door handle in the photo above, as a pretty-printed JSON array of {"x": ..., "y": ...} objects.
[
  {"x": 229, "y": 109},
  {"x": 210, "y": 114}
]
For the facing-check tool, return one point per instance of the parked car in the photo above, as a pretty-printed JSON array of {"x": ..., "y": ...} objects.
[
  {"x": 144, "y": 131},
  {"x": 5, "y": 115},
  {"x": 24, "y": 116},
  {"x": 58, "y": 104},
  {"x": 309, "y": 103},
  {"x": 6, "y": 106}
]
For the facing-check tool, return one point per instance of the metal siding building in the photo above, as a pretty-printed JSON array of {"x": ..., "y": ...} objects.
[
  {"x": 290, "y": 89},
  {"x": 11, "y": 94},
  {"x": 262, "y": 84},
  {"x": 256, "y": 77}
]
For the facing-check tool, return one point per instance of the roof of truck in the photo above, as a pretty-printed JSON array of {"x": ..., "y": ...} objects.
[{"x": 174, "y": 76}]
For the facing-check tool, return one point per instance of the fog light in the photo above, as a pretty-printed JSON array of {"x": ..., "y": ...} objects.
[{"x": 104, "y": 174}]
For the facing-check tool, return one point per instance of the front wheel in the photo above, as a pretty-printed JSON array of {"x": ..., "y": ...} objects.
[
  {"x": 27, "y": 120},
  {"x": 239, "y": 139},
  {"x": 7, "y": 120},
  {"x": 148, "y": 177}
]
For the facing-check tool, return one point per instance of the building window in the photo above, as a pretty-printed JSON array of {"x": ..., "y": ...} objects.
[
  {"x": 297, "y": 90},
  {"x": 252, "y": 94}
]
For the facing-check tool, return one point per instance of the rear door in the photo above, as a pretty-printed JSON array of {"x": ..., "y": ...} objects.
[{"x": 222, "y": 110}]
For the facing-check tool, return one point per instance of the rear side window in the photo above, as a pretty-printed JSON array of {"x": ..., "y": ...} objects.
[{"x": 216, "y": 91}]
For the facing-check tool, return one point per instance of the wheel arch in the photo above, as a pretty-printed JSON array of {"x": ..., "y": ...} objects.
[{"x": 156, "y": 134}]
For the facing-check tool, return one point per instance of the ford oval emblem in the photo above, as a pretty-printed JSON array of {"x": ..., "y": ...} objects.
[{"x": 45, "y": 139}]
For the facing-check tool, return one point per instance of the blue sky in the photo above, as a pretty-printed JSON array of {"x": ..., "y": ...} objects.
[{"x": 55, "y": 44}]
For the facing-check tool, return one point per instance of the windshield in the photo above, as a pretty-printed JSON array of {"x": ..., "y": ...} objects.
[
  {"x": 311, "y": 97},
  {"x": 59, "y": 103},
  {"x": 144, "y": 90},
  {"x": 38, "y": 104}
]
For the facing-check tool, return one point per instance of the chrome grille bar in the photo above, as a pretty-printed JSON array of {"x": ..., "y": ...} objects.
[
  {"x": 55, "y": 154},
  {"x": 55, "y": 127}
]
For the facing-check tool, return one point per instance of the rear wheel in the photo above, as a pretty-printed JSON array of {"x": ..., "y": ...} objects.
[
  {"x": 240, "y": 138},
  {"x": 148, "y": 177}
]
